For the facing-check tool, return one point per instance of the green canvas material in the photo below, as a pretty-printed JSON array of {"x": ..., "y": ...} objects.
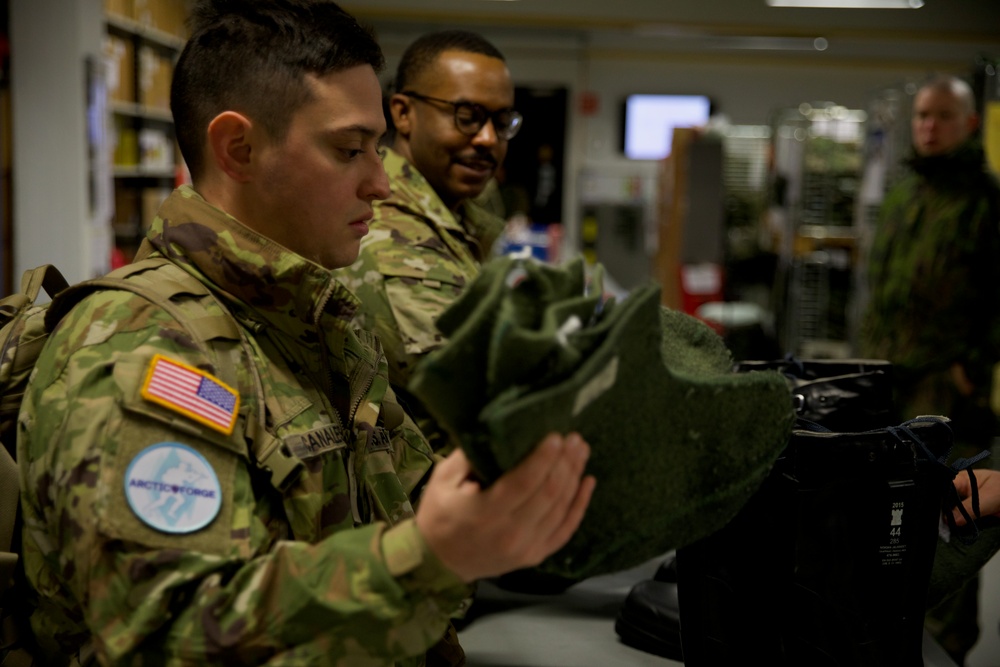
[
  {"x": 678, "y": 440},
  {"x": 958, "y": 561}
]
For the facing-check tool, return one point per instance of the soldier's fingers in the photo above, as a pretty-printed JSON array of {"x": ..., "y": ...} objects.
[
  {"x": 520, "y": 484},
  {"x": 546, "y": 507},
  {"x": 572, "y": 518},
  {"x": 454, "y": 469},
  {"x": 962, "y": 485}
]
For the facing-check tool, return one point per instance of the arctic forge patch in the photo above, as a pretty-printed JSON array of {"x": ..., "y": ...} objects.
[
  {"x": 191, "y": 392},
  {"x": 173, "y": 488}
]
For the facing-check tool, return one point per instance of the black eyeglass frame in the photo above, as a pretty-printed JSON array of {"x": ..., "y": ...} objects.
[{"x": 506, "y": 122}]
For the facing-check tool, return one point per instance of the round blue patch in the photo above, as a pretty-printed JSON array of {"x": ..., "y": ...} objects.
[{"x": 173, "y": 488}]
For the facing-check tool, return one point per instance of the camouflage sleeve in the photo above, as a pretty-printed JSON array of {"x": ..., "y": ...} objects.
[
  {"x": 404, "y": 287},
  {"x": 238, "y": 591}
]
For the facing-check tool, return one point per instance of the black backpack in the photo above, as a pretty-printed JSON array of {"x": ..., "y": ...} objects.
[{"x": 22, "y": 335}]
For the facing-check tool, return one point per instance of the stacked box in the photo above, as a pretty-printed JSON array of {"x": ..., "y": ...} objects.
[
  {"x": 168, "y": 16},
  {"x": 125, "y": 143},
  {"x": 119, "y": 73},
  {"x": 155, "y": 149},
  {"x": 151, "y": 200},
  {"x": 121, "y": 8},
  {"x": 126, "y": 214},
  {"x": 155, "y": 74}
]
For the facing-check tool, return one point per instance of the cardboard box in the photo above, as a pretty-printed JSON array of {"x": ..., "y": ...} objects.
[
  {"x": 119, "y": 68},
  {"x": 124, "y": 143},
  {"x": 126, "y": 216},
  {"x": 155, "y": 149},
  {"x": 122, "y": 8},
  {"x": 151, "y": 200},
  {"x": 156, "y": 71},
  {"x": 168, "y": 16}
]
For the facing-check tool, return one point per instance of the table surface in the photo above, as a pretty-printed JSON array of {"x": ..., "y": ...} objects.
[{"x": 575, "y": 628}]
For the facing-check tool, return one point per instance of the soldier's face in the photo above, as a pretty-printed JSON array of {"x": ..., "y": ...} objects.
[
  {"x": 940, "y": 122},
  {"x": 314, "y": 189},
  {"x": 457, "y": 166}
]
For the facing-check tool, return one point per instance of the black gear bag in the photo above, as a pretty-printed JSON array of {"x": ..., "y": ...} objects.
[
  {"x": 829, "y": 563},
  {"x": 846, "y": 395}
]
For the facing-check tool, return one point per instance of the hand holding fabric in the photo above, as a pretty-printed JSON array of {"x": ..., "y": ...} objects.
[{"x": 526, "y": 515}]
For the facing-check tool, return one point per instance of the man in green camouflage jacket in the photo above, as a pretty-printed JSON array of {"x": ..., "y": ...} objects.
[
  {"x": 453, "y": 115},
  {"x": 207, "y": 487},
  {"x": 934, "y": 268},
  {"x": 934, "y": 309}
]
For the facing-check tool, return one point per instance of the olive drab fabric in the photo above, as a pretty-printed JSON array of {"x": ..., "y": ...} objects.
[
  {"x": 678, "y": 440},
  {"x": 933, "y": 276},
  {"x": 318, "y": 563},
  {"x": 415, "y": 261}
]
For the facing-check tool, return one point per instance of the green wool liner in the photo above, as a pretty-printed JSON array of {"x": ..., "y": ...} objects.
[
  {"x": 957, "y": 561},
  {"x": 679, "y": 442}
]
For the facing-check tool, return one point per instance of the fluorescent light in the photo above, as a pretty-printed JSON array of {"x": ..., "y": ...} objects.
[
  {"x": 849, "y": 4},
  {"x": 748, "y": 42},
  {"x": 760, "y": 43}
]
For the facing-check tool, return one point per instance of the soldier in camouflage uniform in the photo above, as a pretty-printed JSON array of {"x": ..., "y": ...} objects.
[
  {"x": 453, "y": 116},
  {"x": 227, "y": 478},
  {"x": 934, "y": 308}
]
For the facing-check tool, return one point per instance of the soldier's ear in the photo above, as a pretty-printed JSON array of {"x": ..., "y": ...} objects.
[
  {"x": 972, "y": 123},
  {"x": 231, "y": 144},
  {"x": 401, "y": 108}
]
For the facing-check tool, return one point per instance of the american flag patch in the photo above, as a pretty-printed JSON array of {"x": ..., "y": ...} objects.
[{"x": 191, "y": 392}]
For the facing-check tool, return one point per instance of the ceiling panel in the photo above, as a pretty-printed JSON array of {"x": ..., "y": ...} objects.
[
  {"x": 943, "y": 33},
  {"x": 936, "y": 17}
]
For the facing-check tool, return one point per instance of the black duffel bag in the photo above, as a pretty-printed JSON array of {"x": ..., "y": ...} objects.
[
  {"x": 838, "y": 394},
  {"x": 829, "y": 563},
  {"x": 845, "y": 395}
]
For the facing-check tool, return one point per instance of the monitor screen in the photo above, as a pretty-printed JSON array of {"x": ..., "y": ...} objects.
[{"x": 650, "y": 121}]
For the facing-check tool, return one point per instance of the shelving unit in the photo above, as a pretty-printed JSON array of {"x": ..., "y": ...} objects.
[
  {"x": 143, "y": 40},
  {"x": 819, "y": 158}
]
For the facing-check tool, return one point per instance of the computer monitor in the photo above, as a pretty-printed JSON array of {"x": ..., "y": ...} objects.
[{"x": 649, "y": 122}]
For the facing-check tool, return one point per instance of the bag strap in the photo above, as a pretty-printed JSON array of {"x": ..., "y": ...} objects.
[
  {"x": 33, "y": 281},
  {"x": 46, "y": 277},
  {"x": 949, "y": 471},
  {"x": 49, "y": 278}
]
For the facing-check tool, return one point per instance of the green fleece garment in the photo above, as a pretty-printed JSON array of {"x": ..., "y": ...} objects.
[
  {"x": 957, "y": 561},
  {"x": 678, "y": 440}
]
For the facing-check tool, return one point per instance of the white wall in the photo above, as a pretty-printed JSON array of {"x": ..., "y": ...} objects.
[{"x": 50, "y": 43}]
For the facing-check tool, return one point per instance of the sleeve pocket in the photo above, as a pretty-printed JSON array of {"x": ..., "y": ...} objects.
[
  {"x": 172, "y": 484},
  {"x": 417, "y": 299}
]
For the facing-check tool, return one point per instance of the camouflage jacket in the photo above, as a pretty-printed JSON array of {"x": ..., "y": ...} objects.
[
  {"x": 933, "y": 271},
  {"x": 415, "y": 261},
  {"x": 328, "y": 571}
]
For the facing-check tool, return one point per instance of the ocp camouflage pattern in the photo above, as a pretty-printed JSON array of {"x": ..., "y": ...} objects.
[
  {"x": 330, "y": 572},
  {"x": 417, "y": 258}
]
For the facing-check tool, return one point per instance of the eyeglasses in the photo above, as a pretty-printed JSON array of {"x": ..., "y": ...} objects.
[{"x": 471, "y": 118}]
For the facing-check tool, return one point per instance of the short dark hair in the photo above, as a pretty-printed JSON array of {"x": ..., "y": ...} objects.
[
  {"x": 252, "y": 56},
  {"x": 422, "y": 53}
]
